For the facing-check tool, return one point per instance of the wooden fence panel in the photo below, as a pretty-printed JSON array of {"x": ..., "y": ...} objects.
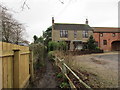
[
  {"x": 5, "y": 72},
  {"x": 8, "y": 72},
  {"x": 14, "y": 66},
  {"x": 24, "y": 68},
  {"x": 0, "y": 73},
  {"x": 1, "y": 66}
]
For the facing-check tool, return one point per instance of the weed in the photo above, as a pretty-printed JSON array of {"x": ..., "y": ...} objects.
[
  {"x": 64, "y": 85},
  {"x": 60, "y": 75}
]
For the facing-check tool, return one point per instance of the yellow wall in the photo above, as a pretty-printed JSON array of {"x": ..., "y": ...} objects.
[{"x": 56, "y": 35}]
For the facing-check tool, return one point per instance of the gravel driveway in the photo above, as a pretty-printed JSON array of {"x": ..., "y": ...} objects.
[
  {"x": 103, "y": 69},
  {"x": 108, "y": 57}
]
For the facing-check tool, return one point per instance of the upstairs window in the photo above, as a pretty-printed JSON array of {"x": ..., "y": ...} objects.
[
  {"x": 85, "y": 34},
  {"x": 75, "y": 33},
  {"x": 104, "y": 42},
  {"x": 113, "y": 34},
  {"x": 63, "y": 33}
]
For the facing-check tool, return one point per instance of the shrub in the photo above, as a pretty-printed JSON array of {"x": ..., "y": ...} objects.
[
  {"x": 97, "y": 48},
  {"x": 52, "y": 46},
  {"x": 51, "y": 55},
  {"x": 62, "y": 45}
]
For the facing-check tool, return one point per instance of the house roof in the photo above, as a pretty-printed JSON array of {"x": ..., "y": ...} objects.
[
  {"x": 70, "y": 26},
  {"x": 106, "y": 29}
]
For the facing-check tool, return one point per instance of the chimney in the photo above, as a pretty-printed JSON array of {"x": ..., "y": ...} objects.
[
  {"x": 52, "y": 28},
  {"x": 86, "y": 22},
  {"x": 52, "y": 20}
]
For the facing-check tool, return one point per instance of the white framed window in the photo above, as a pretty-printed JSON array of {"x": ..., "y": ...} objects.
[
  {"x": 85, "y": 34},
  {"x": 75, "y": 33},
  {"x": 63, "y": 33}
]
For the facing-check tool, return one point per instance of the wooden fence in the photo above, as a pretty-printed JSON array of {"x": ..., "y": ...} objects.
[
  {"x": 65, "y": 69},
  {"x": 16, "y": 65}
]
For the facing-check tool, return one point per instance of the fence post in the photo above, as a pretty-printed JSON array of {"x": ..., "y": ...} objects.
[
  {"x": 56, "y": 62},
  {"x": 31, "y": 66},
  {"x": 63, "y": 67},
  {"x": 16, "y": 69}
]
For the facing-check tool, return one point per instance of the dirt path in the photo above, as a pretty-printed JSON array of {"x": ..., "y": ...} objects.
[{"x": 48, "y": 79}]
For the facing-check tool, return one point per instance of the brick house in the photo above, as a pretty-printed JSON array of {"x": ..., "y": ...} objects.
[
  {"x": 107, "y": 38},
  {"x": 75, "y": 35}
]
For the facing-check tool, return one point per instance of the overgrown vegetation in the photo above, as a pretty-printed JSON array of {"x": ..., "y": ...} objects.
[
  {"x": 64, "y": 85},
  {"x": 60, "y": 75},
  {"x": 47, "y": 36},
  {"x": 56, "y": 46},
  {"x": 51, "y": 55},
  {"x": 39, "y": 48},
  {"x": 62, "y": 80},
  {"x": 52, "y": 46},
  {"x": 39, "y": 51},
  {"x": 38, "y": 40}
]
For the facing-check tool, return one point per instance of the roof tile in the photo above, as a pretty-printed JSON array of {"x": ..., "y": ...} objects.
[{"x": 65, "y": 26}]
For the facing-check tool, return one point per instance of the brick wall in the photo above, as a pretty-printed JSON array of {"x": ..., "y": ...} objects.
[{"x": 108, "y": 37}]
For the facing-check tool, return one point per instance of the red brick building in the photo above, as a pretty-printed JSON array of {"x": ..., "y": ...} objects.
[{"x": 107, "y": 38}]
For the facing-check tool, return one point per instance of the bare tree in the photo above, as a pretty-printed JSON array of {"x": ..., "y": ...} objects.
[
  {"x": 12, "y": 30},
  {"x": 6, "y": 24},
  {"x": 25, "y": 4},
  {"x": 18, "y": 31},
  {"x": 0, "y": 23}
]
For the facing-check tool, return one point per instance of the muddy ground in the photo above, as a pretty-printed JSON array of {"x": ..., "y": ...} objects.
[{"x": 48, "y": 79}]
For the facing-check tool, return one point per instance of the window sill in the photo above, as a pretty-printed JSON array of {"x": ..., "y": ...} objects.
[{"x": 63, "y": 37}]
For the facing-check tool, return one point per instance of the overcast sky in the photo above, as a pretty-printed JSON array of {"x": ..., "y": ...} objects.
[{"x": 100, "y": 13}]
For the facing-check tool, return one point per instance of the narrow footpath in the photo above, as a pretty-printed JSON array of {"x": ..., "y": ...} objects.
[{"x": 48, "y": 79}]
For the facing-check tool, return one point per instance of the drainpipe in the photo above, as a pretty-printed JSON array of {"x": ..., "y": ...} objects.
[{"x": 99, "y": 40}]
